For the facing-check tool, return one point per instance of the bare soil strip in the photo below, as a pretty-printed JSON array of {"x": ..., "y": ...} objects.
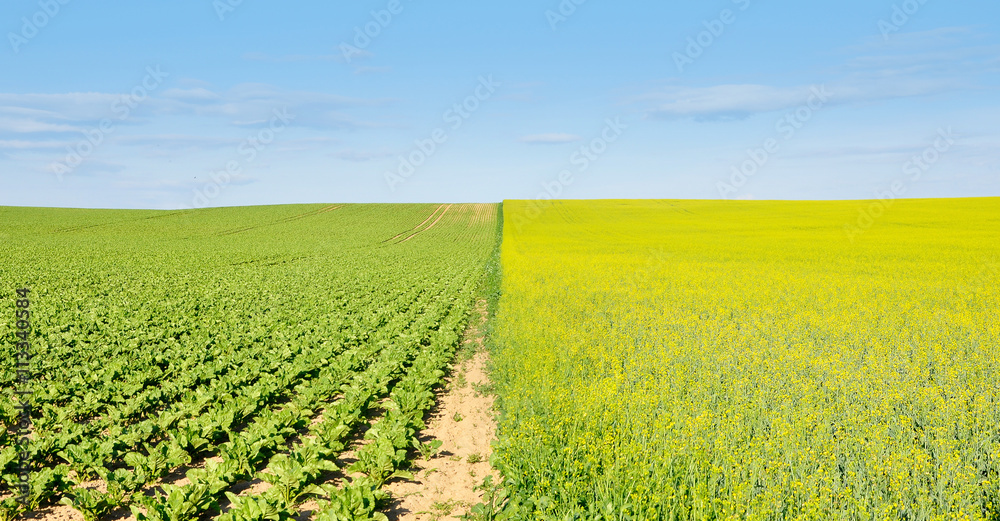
[
  {"x": 331, "y": 208},
  {"x": 463, "y": 420}
]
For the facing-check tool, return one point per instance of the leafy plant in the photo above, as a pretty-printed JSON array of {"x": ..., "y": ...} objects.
[
  {"x": 190, "y": 440},
  {"x": 289, "y": 474},
  {"x": 380, "y": 461},
  {"x": 161, "y": 458},
  {"x": 427, "y": 450},
  {"x": 122, "y": 483},
  {"x": 253, "y": 508},
  {"x": 244, "y": 455},
  {"x": 357, "y": 501},
  {"x": 494, "y": 506},
  {"x": 10, "y": 508},
  {"x": 91, "y": 503},
  {"x": 176, "y": 503},
  {"x": 46, "y": 484}
]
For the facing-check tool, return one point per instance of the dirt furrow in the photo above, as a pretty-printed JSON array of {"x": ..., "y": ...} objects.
[{"x": 463, "y": 421}]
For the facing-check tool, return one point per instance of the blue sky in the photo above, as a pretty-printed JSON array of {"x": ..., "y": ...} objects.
[{"x": 193, "y": 103}]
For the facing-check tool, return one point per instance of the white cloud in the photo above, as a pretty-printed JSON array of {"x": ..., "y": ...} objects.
[
  {"x": 70, "y": 106},
  {"x": 910, "y": 65},
  {"x": 177, "y": 185},
  {"x": 246, "y": 105},
  {"x": 197, "y": 94},
  {"x": 722, "y": 102},
  {"x": 870, "y": 153},
  {"x": 178, "y": 142},
  {"x": 21, "y": 144},
  {"x": 726, "y": 101},
  {"x": 371, "y": 70},
  {"x": 308, "y": 144},
  {"x": 360, "y": 156},
  {"x": 26, "y": 126},
  {"x": 252, "y": 104},
  {"x": 929, "y": 39},
  {"x": 264, "y": 57},
  {"x": 550, "y": 139}
]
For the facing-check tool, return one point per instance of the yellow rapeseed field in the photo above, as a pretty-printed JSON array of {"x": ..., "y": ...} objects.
[{"x": 749, "y": 360}]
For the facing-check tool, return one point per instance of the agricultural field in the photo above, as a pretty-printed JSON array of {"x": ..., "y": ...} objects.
[
  {"x": 749, "y": 360},
  {"x": 650, "y": 359},
  {"x": 231, "y": 364}
]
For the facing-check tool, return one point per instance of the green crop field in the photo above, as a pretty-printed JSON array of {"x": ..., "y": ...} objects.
[{"x": 230, "y": 344}]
